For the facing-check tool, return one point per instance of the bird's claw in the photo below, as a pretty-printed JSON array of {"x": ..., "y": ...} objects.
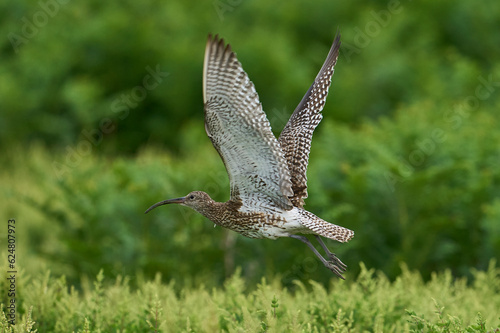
[
  {"x": 335, "y": 269},
  {"x": 335, "y": 265},
  {"x": 336, "y": 261}
]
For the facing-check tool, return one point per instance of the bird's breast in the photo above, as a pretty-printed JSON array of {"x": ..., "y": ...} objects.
[{"x": 264, "y": 225}]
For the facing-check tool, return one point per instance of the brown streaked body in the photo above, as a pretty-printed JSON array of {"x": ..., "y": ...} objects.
[{"x": 267, "y": 175}]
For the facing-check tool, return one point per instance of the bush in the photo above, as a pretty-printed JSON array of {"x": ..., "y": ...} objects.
[
  {"x": 410, "y": 195},
  {"x": 371, "y": 303},
  {"x": 67, "y": 74},
  {"x": 407, "y": 155}
]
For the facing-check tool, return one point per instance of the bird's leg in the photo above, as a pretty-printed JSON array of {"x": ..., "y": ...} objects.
[
  {"x": 333, "y": 258},
  {"x": 329, "y": 264}
]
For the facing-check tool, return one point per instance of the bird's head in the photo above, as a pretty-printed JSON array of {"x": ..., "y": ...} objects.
[{"x": 195, "y": 200}]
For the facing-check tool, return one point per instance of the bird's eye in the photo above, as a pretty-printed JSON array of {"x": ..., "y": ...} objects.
[{"x": 191, "y": 197}]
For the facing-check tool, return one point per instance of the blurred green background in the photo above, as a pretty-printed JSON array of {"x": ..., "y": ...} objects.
[{"x": 101, "y": 115}]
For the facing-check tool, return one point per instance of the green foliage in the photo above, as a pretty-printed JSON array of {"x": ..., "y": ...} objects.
[
  {"x": 410, "y": 195},
  {"x": 274, "y": 305},
  {"x": 371, "y": 303},
  {"x": 26, "y": 325},
  {"x": 448, "y": 324},
  {"x": 417, "y": 188},
  {"x": 81, "y": 69},
  {"x": 102, "y": 116}
]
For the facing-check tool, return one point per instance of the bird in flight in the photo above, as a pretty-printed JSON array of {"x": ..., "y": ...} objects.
[{"x": 267, "y": 175}]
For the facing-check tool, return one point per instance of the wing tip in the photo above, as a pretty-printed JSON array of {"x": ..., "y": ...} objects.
[
  {"x": 333, "y": 54},
  {"x": 215, "y": 46},
  {"x": 219, "y": 42},
  {"x": 337, "y": 36},
  {"x": 337, "y": 42}
]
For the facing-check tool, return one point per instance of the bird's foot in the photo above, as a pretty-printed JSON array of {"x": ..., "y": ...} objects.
[
  {"x": 334, "y": 264},
  {"x": 334, "y": 260},
  {"x": 335, "y": 269}
]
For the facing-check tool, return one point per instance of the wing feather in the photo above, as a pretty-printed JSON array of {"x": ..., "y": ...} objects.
[
  {"x": 240, "y": 132},
  {"x": 295, "y": 139}
]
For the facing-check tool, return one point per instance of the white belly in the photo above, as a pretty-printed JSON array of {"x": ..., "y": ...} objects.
[{"x": 283, "y": 224}]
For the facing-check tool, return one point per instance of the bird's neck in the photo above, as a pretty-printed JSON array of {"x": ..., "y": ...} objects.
[{"x": 219, "y": 212}]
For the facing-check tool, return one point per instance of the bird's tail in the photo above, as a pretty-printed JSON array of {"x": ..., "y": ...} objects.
[{"x": 326, "y": 229}]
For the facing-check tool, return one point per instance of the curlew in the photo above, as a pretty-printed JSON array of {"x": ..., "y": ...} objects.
[{"x": 267, "y": 175}]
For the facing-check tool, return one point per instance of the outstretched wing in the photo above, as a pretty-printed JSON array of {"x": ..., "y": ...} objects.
[
  {"x": 241, "y": 133},
  {"x": 295, "y": 139}
]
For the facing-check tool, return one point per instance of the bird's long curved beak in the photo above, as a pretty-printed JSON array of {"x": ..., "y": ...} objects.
[{"x": 166, "y": 202}]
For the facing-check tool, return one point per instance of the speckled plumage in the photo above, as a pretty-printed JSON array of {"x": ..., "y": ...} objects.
[
  {"x": 295, "y": 139},
  {"x": 240, "y": 131},
  {"x": 267, "y": 176}
]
